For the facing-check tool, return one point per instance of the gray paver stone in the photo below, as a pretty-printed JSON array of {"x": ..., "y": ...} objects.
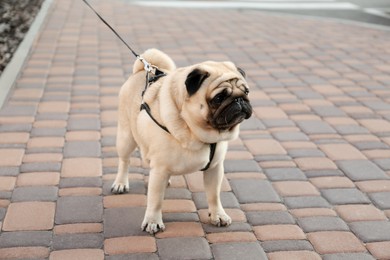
[
  {"x": 381, "y": 199},
  {"x": 121, "y": 222},
  {"x": 82, "y": 149},
  {"x": 38, "y": 193},
  {"x": 41, "y": 167},
  {"x": 75, "y": 124},
  {"x": 316, "y": 127},
  {"x": 256, "y": 218},
  {"x": 241, "y": 166},
  {"x": 81, "y": 182},
  {"x": 371, "y": 231},
  {"x": 298, "y": 153},
  {"x": 69, "y": 241},
  {"x": 254, "y": 190},
  {"x": 306, "y": 202},
  {"x": 79, "y": 209},
  {"x": 285, "y": 174},
  {"x": 25, "y": 238},
  {"x": 345, "y": 196},
  {"x": 180, "y": 217},
  {"x": 383, "y": 163},
  {"x": 176, "y": 193},
  {"x": 184, "y": 248},
  {"x": 136, "y": 187},
  {"x": 360, "y": 170},
  {"x": 251, "y": 250},
  {"x": 286, "y": 245}
]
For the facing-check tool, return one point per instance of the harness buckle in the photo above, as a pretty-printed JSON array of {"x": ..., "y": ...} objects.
[{"x": 147, "y": 66}]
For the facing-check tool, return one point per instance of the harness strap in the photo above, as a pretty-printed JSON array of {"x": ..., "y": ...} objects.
[
  {"x": 146, "y": 107},
  {"x": 211, "y": 156}
]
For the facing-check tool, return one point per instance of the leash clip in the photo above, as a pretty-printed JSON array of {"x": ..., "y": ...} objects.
[{"x": 147, "y": 66}]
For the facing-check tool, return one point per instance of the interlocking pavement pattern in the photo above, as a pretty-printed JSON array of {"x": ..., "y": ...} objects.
[{"x": 308, "y": 177}]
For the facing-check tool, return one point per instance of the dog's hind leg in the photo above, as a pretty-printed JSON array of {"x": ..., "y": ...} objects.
[{"x": 125, "y": 145}]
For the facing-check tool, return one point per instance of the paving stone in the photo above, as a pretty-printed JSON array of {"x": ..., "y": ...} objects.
[
  {"x": 351, "y": 213},
  {"x": 25, "y": 239},
  {"x": 181, "y": 229},
  {"x": 180, "y": 217},
  {"x": 228, "y": 200},
  {"x": 294, "y": 255},
  {"x": 71, "y": 241},
  {"x": 126, "y": 245},
  {"x": 278, "y": 232},
  {"x": 184, "y": 248},
  {"x": 253, "y": 190},
  {"x": 315, "y": 164},
  {"x": 135, "y": 187},
  {"x": 345, "y": 196},
  {"x": 82, "y": 149},
  {"x": 295, "y": 188},
  {"x": 256, "y": 218},
  {"x": 360, "y": 170},
  {"x": 289, "y": 136},
  {"x": 35, "y": 193},
  {"x": 381, "y": 250},
  {"x": 371, "y": 231},
  {"x": 315, "y": 127},
  {"x": 176, "y": 193},
  {"x": 383, "y": 163},
  {"x": 306, "y": 202},
  {"x": 9, "y": 171},
  {"x": 11, "y": 110},
  {"x": 286, "y": 245},
  {"x": 76, "y": 124},
  {"x": 11, "y": 157},
  {"x": 234, "y": 227},
  {"x": 122, "y": 222},
  {"x": 285, "y": 174},
  {"x": 78, "y": 228},
  {"x": 322, "y": 173},
  {"x": 29, "y": 216},
  {"x": 85, "y": 253},
  {"x": 81, "y": 167},
  {"x": 41, "y": 132},
  {"x": 41, "y": 167},
  {"x": 79, "y": 209},
  {"x": 229, "y": 237},
  {"x": 299, "y": 153},
  {"x": 241, "y": 166},
  {"x": 322, "y": 223},
  {"x": 135, "y": 256},
  {"x": 251, "y": 250},
  {"x": 80, "y": 182},
  {"x": 25, "y": 252},
  {"x": 381, "y": 199},
  {"x": 348, "y": 256},
  {"x": 331, "y": 242}
]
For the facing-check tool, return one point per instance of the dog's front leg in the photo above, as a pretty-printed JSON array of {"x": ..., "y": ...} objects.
[
  {"x": 212, "y": 179},
  {"x": 158, "y": 182}
]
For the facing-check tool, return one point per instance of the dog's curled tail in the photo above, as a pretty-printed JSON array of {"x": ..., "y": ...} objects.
[{"x": 156, "y": 58}]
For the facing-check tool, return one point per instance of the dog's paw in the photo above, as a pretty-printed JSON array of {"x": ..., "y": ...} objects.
[
  {"x": 220, "y": 219},
  {"x": 120, "y": 188},
  {"x": 152, "y": 226}
]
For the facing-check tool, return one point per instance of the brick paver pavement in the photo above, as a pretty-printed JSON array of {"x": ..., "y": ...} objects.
[{"x": 308, "y": 178}]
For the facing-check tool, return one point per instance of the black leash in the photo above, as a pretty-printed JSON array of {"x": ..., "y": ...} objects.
[{"x": 149, "y": 80}]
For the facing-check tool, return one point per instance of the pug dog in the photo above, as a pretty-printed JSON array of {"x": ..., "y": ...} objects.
[{"x": 189, "y": 111}]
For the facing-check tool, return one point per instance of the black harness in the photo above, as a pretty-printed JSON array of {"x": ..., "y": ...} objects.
[{"x": 144, "y": 106}]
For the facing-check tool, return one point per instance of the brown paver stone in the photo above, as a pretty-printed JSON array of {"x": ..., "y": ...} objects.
[
  {"x": 24, "y": 252},
  {"x": 81, "y": 167},
  {"x": 295, "y": 188},
  {"x": 14, "y": 138},
  {"x": 42, "y": 157},
  {"x": 173, "y": 206},
  {"x": 77, "y": 254},
  {"x": 330, "y": 182},
  {"x": 11, "y": 157},
  {"x": 124, "y": 200},
  {"x": 380, "y": 250},
  {"x": 44, "y": 142},
  {"x": 78, "y": 228},
  {"x": 278, "y": 232},
  {"x": 181, "y": 229},
  {"x": 294, "y": 255},
  {"x": 331, "y": 242},
  {"x": 264, "y": 147},
  {"x": 315, "y": 163},
  {"x": 54, "y": 107},
  {"x": 80, "y": 191},
  {"x": 352, "y": 213},
  {"x": 38, "y": 179},
  {"x": 126, "y": 245},
  {"x": 341, "y": 152},
  {"x": 227, "y": 237},
  {"x": 7, "y": 183},
  {"x": 29, "y": 216}
]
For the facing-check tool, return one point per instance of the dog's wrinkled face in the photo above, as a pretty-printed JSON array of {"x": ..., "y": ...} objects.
[{"x": 226, "y": 96}]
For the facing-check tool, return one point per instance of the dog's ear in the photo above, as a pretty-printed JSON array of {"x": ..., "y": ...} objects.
[
  {"x": 194, "y": 80},
  {"x": 242, "y": 72}
]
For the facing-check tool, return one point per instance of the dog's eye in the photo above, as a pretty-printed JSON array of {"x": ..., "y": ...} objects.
[{"x": 219, "y": 98}]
